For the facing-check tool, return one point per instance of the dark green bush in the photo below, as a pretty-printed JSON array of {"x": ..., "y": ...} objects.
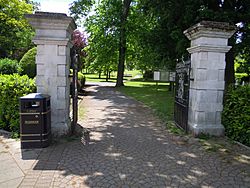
[
  {"x": 28, "y": 63},
  {"x": 11, "y": 88},
  {"x": 236, "y": 114},
  {"x": 8, "y": 66},
  {"x": 147, "y": 75}
]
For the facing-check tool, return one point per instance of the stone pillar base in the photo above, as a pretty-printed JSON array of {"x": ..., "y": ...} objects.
[
  {"x": 61, "y": 129},
  {"x": 213, "y": 130}
]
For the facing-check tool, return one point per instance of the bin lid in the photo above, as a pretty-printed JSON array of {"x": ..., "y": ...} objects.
[{"x": 35, "y": 96}]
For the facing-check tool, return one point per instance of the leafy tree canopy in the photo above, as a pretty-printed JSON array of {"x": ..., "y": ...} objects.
[
  {"x": 15, "y": 32},
  {"x": 102, "y": 28},
  {"x": 154, "y": 29},
  {"x": 174, "y": 16}
]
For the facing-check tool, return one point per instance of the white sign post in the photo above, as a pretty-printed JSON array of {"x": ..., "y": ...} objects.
[
  {"x": 156, "y": 78},
  {"x": 156, "y": 75}
]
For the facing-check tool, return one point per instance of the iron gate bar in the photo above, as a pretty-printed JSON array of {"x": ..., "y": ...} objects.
[
  {"x": 182, "y": 94},
  {"x": 74, "y": 60}
]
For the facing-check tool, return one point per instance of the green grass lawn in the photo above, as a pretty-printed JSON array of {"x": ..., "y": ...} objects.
[
  {"x": 157, "y": 97},
  {"x": 95, "y": 77},
  {"x": 133, "y": 72}
]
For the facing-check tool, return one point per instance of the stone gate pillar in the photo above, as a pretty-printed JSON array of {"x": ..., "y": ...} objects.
[
  {"x": 53, "y": 40},
  {"x": 208, "y": 48}
]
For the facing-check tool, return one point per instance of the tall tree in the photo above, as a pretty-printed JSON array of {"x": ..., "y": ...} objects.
[
  {"x": 107, "y": 30},
  {"x": 122, "y": 42},
  {"x": 104, "y": 35},
  {"x": 174, "y": 16},
  {"x": 150, "y": 33}
]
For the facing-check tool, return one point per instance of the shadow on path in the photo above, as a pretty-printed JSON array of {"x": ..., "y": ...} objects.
[{"x": 130, "y": 148}]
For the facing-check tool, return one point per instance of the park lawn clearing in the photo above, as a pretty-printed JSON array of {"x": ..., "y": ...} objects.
[
  {"x": 131, "y": 74},
  {"x": 155, "y": 96},
  {"x": 95, "y": 78}
]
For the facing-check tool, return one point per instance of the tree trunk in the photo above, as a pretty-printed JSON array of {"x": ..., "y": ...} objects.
[
  {"x": 122, "y": 43},
  {"x": 99, "y": 74},
  {"x": 110, "y": 74},
  {"x": 107, "y": 75},
  {"x": 229, "y": 71}
]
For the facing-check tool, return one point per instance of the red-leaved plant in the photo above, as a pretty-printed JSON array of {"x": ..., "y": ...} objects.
[{"x": 79, "y": 41}]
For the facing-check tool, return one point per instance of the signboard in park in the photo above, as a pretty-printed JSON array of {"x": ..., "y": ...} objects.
[
  {"x": 164, "y": 76},
  {"x": 157, "y": 75}
]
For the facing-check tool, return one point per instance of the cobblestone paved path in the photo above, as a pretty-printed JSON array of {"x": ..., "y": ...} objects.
[{"x": 130, "y": 148}]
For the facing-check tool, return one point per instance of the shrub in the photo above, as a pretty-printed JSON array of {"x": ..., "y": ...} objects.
[
  {"x": 81, "y": 81},
  {"x": 8, "y": 66},
  {"x": 236, "y": 114},
  {"x": 11, "y": 88},
  {"x": 81, "y": 78},
  {"x": 148, "y": 75},
  {"x": 28, "y": 63}
]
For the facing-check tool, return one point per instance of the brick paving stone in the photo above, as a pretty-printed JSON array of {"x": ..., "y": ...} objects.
[{"x": 130, "y": 147}]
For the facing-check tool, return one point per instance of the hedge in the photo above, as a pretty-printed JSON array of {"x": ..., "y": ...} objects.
[
  {"x": 236, "y": 114},
  {"x": 28, "y": 63},
  {"x": 11, "y": 88},
  {"x": 8, "y": 66}
]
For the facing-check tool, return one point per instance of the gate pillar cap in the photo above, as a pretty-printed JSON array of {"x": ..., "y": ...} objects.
[
  {"x": 50, "y": 15},
  {"x": 51, "y": 20},
  {"x": 210, "y": 29}
]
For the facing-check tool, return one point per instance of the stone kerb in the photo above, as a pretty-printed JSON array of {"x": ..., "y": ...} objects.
[
  {"x": 208, "y": 48},
  {"x": 53, "y": 40}
]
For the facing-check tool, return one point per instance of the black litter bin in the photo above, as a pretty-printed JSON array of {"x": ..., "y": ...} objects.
[{"x": 35, "y": 121}]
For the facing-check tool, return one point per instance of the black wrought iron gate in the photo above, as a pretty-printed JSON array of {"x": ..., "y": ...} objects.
[
  {"x": 74, "y": 64},
  {"x": 182, "y": 94}
]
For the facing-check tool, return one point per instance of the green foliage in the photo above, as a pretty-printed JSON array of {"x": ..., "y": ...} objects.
[
  {"x": 166, "y": 38},
  {"x": 239, "y": 76},
  {"x": 236, "y": 114},
  {"x": 15, "y": 32},
  {"x": 81, "y": 78},
  {"x": 174, "y": 129},
  {"x": 154, "y": 30},
  {"x": 81, "y": 8},
  {"x": 243, "y": 62},
  {"x": 11, "y": 88},
  {"x": 104, "y": 28},
  {"x": 8, "y": 66},
  {"x": 172, "y": 17},
  {"x": 27, "y": 63},
  {"x": 148, "y": 75},
  {"x": 204, "y": 136}
]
